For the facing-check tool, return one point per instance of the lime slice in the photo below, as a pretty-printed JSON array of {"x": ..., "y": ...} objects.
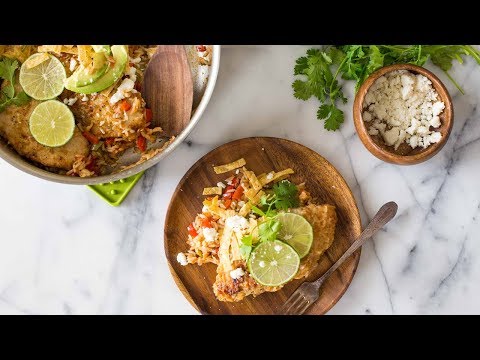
[
  {"x": 52, "y": 123},
  {"x": 295, "y": 231},
  {"x": 273, "y": 263},
  {"x": 42, "y": 76}
]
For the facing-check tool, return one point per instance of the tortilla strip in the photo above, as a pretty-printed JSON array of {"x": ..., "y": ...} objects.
[
  {"x": 276, "y": 176},
  {"x": 253, "y": 202},
  {"x": 229, "y": 167},
  {"x": 216, "y": 190},
  {"x": 252, "y": 178}
]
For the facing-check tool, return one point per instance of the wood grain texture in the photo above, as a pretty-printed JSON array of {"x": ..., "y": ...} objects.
[
  {"x": 262, "y": 155},
  {"x": 404, "y": 155},
  {"x": 168, "y": 89}
]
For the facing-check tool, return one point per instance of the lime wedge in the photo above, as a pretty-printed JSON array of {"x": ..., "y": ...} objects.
[
  {"x": 42, "y": 76},
  {"x": 52, "y": 123},
  {"x": 295, "y": 231},
  {"x": 273, "y": 263}
]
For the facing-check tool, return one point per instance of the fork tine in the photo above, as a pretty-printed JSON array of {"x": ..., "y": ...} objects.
[
  {"x": 290, "y": 302},
  {"x": 303, "y": 307},
  {"x": 295, "y": 303},
  {"x": 298, "y": 301}
]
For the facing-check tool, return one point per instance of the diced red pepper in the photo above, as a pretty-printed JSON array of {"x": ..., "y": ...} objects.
[
  {"x": 238, "y": 193},
  {"x": 235, "y": 181},
  {"x": 201, "y": 48},
  {"x": 125, "y": 105},
  {"x": 229, "y": 190},
  {"x": 207, "y": 223},
  {"x": 109, "y": 141},
  {"x": 90, "y": 137},
  {"x": 192, "y": 231},
  {"x": 148, "y": 115},
  {"x": 141, "y": 143},
  {"x": 227, "y": 203}
]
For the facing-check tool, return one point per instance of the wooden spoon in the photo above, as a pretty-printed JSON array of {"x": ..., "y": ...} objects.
[{"x": 168, "y": 89}]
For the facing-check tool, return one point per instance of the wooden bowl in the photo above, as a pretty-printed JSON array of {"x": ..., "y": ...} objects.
[
  {"x": 404, "y": 155},
  {"x": 263, "y": 154}
]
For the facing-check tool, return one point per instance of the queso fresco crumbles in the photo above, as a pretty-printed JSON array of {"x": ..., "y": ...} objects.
[{"x": 403, "y": 107}]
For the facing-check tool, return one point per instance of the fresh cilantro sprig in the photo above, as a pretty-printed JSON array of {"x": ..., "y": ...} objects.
[
  {"x": 321, "y": 83},
  {"x": 7, "y": 95},
  {"x": 320, "y": 69},
  {"x": 284, "y": 195}
]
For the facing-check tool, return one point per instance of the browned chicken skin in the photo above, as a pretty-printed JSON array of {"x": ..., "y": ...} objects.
[{"x": 14, "y": 127}]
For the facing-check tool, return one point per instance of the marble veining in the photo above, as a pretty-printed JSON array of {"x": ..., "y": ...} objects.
[{"x": 64, "y": 251}]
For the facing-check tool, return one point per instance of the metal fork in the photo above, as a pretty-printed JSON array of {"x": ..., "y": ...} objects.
[{"x": 308, "y": 293}]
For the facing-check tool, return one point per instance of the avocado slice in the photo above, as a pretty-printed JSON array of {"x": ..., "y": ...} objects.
[
  {"x": 85, "y": 76},
  {"x": 102, "y": 48},
  {"x": 120, "y": 55}
]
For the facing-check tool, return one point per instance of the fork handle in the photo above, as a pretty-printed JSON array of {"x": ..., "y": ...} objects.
[{"x": 384, "y": 215}]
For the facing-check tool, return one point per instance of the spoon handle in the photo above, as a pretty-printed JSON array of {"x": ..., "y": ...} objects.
[{"x": 384, "y": 215}]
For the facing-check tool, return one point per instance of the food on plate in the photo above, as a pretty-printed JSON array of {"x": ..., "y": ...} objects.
[
  {"x": 402, "y": 107},
  {"x": 320, "y": 69},
  {"x": 99, "y": 87},
  {"x": 261, "y": 231}
]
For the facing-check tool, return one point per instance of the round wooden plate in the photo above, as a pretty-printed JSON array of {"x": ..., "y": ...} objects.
[{"x": 262, "y": 154}]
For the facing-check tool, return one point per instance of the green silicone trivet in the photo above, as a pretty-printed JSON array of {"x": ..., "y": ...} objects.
[{"x": 115, "y": 192}]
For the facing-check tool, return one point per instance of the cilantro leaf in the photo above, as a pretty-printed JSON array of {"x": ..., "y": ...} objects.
[
  {"x": 301, "y": 90},
  {"x": 7, "y": 72},
  {"x": 268, "y": 230},
  {"x": 246, "y": 247},
  {"x": 286, "y": 195},
  {"x": 333, "y": 116},
  {"x": 7, "y": 96},
  {"x": 301, "y": 66}
]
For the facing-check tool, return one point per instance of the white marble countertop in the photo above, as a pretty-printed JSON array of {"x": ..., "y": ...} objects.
[{"x": 65, "y": 251}]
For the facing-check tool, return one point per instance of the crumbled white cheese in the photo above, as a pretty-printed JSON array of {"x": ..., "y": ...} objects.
[
  {"x": 237, "y": 171},
  {"x": 205, "y": 209},
  {"x": 270, "y": 176},
  {"x": 237, "y": 223},
  {"x": 73, "y": 64},
  {"x": 403, "y": 107},
  {"x": 182, "y": 259},
  {"x": 70, "y": 101},
  {"x": 210, "y": 234},
  {"x": 126, "y": 86},
  {"x": 237, "y": 273},
  {"x": 221, "y": 185},
  {"x": 85, "y": 98},
  {"x": 135, "y": 60}
]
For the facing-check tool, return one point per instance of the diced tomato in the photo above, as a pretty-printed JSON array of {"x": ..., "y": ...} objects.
[
  {"x": 235, "y": 181},
  {"x": 192, "y": 231},
  {"x": 229, "y": 190},
  {"x": 238, "y": 193},
  {"x": 207, "y": 223},
  {"x": 109, "y": 141},
  {"x": 148, "y": 115},
  {"x": 227, "y": 203},
  {"x": 90, "y": 137},
  {"x": 141, "y": 143},
  {"x": 201, "y": 48},
  {"x": 125, "y": 105}
]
